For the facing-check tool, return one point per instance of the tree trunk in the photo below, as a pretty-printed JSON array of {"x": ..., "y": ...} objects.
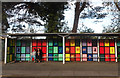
[{"x": 78, "y": 10}]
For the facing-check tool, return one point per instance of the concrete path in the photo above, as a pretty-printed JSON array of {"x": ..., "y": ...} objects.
[{"x": 58, "y": 69}]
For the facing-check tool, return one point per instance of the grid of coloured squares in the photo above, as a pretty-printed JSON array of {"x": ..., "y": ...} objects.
[
  {"x": 55, "y": 50},
  {"x": 41, "y": 44},
  {"x": 72, "y": 50},
  {"x": 107, "y": 50},
  {"x": 118, "y": 50},
  {"x": 11, "y": 50},
  {"x": 89, "y": 50},
  {"x": 23, "y": 50}
]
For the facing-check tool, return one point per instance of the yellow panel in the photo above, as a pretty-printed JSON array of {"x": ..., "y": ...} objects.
[
  {"x": 67, "y": 49},
  {"x": 67, "y": 57},
  {"x": 72, "y": 42},
  {"x": 77, "y": 49},
  {"x": 106, "y": 42},
  {"x": 11, "y": 57},
  {"x": 13, "y": 42},
  {"x": 112, "y": 50},
  {"x": 8, "y": 50}
]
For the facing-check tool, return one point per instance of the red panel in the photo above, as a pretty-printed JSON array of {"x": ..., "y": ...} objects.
[
  {"x": 107, "y": 50},
  {"x": 72, "y": 57},
  {"x": 34, "y": 43},
  {"x": 39, "y": 47},
  {"x": 32, "y": 59},
  {"x": 112, "y": 57},
  {"x": 44, "y": 49},
  {"x": 33, "y": 48},
  {"x": 67, "y": 50},
  {"x": 101, "y": 50},
  {"x": 67, "y": 43},
  {"x": 101, "y": 43},
  {"x": 72, "y": 49},
  {"x": 107, "y": 58},
  {"x": 89, "y": 42},
  {"x": 44, "y": 43},
  {"x": 77, "y": 57},
  {"x": 43, "y": 57},
  {"x": 39, "y": 43},
  {"x": 112, "y": 43}
]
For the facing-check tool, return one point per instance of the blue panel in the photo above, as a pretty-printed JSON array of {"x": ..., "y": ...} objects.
[
  {"x": 50, "y": 57},
  {"x": 89, "y": 57},
  {"x": 60, "y": 49},
  {"x": 55, "y": 43},
  {"x": 18, "y": 50},
  {"x": 84, "y": 50},
  {"x": 27, "y": 49},
  {"x": 23, "y": 57}
]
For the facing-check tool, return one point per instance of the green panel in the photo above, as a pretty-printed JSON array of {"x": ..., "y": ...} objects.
[
  {"x": 50, "y": 43},
  {"x": 55, "y": 49},
  {"x": 118, "y": 43},
  {"x": 50, "y": 49},
  {"x": 77, "y": 42},
  {"x": 60, "y": 57},
  {"x": 11, "y": 43},
  {"x": 119, "y": 57},
  {"x": 8, "y": 50},
  {"x": 13, "y": 57},
  {"x": 102, "y": 59},
  {"x": 13, "y": 50},
  {"x": 17, "y": 57},
  {"x": 55, "y": 57},
  {"x": 22, "y": 49},
  {"x": 59, "y": 43},
  {"x": 119, "y": 49},
  {"x": 18, "y": 43},
  {"x": 8, "y": 58},
  {"x": 8, "y": 42},
  {"x": 55, "y": 43},
  {"x": 28, "y": 43},
  {"x": 27, "y": 57}
]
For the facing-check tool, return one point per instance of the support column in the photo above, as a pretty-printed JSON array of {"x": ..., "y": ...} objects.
[
  {"x": 98, "y": 50},
  {"x": 63, "y": 50},
  {"x": 81, "y": 50},
  {"x": 47, "y": 51},
  {"x": 115, "y": 50},
  {"x": 5, "y": 60}
]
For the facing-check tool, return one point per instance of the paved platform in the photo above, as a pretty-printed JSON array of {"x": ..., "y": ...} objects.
[{"x": 58, "y": 69}]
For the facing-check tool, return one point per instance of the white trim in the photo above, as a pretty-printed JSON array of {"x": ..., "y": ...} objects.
[
  {"x": 98, "y": 50},
  {"x": 116, "y": 50},
  {"x": 63, "y": 50},
  {"x": 5, "y": 60}
]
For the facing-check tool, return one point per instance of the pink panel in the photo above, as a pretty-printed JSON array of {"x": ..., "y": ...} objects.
[
  {"x": 84, "y": 57},
  {"x": 89, "y": 42},
  {"x": 94, "y": 49}
]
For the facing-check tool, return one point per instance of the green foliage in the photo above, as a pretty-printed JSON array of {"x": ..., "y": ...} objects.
[{"x": 49, "y": 12}]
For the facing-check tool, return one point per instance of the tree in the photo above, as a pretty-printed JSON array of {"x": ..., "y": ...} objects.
[
  {"x": 50, "y": 13},
  {"x": 78, "y": 10},
  {"x": 115, "y": 25}
]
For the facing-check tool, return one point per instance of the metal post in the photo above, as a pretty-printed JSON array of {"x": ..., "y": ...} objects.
[
  {"x": 63, "y": 50},
  {"x": 47, "y": 50},
  {"x": 81, "y": 49},
  {"x": 98, "y": 49},
  {"x": 116, "y": 50},
  {"x": 5, "y": 60}
]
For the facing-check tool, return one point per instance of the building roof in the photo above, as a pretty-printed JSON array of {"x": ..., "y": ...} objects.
[{"x": 66, "y": 34}]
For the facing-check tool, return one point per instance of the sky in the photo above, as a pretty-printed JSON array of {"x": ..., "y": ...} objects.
[
  {"x": 97, "y": 27},
  {"x": 90, "y": 23}
]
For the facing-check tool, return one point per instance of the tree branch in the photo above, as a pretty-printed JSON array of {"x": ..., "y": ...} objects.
[{"x": 117, "y": 6}]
